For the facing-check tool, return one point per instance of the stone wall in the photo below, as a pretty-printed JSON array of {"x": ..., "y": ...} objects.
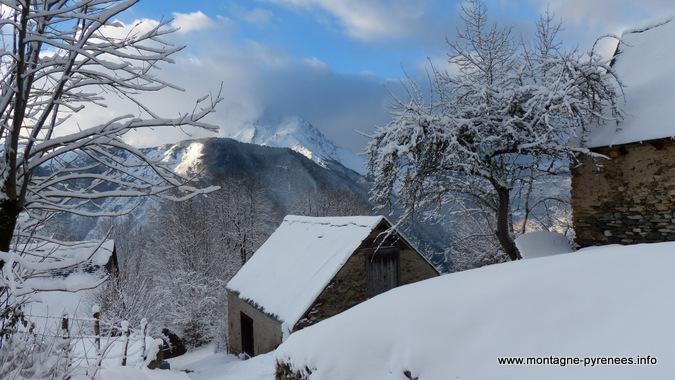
[
  {"x": 266, "y": 330},
  {"x": 348, "y": 287},
  {"x": 627, "y": 199},
  {"x": 415, "y": 268}
]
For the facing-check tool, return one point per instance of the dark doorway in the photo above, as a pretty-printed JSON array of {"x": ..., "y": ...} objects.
[
  {"x": 382, "y": 270},
  {"x": 246, "y": 334}
]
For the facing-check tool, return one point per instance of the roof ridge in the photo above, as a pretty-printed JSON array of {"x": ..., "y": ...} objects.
[
  {"x": 329, "y": 220},
  {"x": 649, "y": 26}
]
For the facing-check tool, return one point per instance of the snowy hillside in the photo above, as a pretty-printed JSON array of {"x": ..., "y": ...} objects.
[
  {"x": 282, "y": 173},
  {"x": 299, "y": 135},
  {"x": 583, "y": 315}
]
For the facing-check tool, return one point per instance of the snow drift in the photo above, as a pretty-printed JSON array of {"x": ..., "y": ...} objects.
[{"x": 604, "y": 303}]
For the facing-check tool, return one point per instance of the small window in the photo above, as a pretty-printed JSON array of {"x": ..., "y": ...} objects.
[{"x": 382, "y": 270}]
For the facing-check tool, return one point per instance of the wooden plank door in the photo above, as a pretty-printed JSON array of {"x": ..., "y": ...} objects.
[{"x": 382, "y": 270}]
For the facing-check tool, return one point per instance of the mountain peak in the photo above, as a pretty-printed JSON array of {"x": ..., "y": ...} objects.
[{"x": 299, "y": 135}]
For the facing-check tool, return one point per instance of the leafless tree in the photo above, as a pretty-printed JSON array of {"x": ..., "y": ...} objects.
[
  {"x": 198, "y": 246},
  {"x": 245, "y": 215},
  {"x": 58, "y": 57},
  {"x": 514, "y": 112},
  {"x": 330, "y": 202}
]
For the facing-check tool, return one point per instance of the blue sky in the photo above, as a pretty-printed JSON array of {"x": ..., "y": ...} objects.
[{"x": 332, "y": 61}]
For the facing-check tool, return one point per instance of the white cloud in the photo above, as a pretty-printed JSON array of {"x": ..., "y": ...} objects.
[
  {"x": 188, "y": 22},
  {"x": 316, "y": 63},
  {"x": 585, "y": 20},
  {"x": 607, "y": 16},
  {"x": 258, "y": 80},
  {"x": 257, "y": 16},
  {"x": 121, "y": 30},
  {"x": 369, "y": 20}
]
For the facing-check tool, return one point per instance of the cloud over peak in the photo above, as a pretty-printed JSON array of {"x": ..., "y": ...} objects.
[{"x": 188, "y": 22}]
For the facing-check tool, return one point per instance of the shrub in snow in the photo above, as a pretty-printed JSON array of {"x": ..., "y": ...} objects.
[
  {"x": 173, "y": 345},
  {"x": 29, "y": 354},
  {"x": 284, "y": 371}
]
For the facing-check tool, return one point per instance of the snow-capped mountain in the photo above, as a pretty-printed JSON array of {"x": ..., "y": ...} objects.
[{"x": 297, "y": 134}]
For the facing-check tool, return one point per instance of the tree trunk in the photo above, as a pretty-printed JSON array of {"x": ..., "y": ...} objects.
[
  {"x": 9, "y": 212},
  {"x": 242, "y": 251},
  {"x": 503, "y": 223}
]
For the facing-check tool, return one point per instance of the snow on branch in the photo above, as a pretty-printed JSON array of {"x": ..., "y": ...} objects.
[
  {"x": 512, "y": 111},
  {"x": 64, "y": 56}
]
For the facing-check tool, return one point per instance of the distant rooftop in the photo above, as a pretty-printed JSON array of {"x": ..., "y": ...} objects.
[{"x": 645, "y": 63}]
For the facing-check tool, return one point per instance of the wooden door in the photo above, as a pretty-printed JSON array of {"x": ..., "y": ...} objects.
[
  {"x": 246, "y": 334},
  {"x": 382, "y": 270}
]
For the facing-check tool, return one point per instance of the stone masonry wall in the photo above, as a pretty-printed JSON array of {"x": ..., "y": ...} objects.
[
  {"x": 629, "y": 198},
  {"x": 348, "y": 287},
  {"x": 414, "y": 268}
]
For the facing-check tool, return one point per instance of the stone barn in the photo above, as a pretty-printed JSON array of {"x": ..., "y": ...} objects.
[
  {"x": 629, "y": 197},
  {"x": 312, "y": 268}
]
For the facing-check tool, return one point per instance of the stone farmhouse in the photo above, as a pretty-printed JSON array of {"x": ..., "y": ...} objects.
[
  {"x": 630, "y": 197},
  {"x": 313, "y": 268}
]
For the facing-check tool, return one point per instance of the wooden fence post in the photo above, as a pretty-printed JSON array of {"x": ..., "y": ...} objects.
[
  {"x": 65, "y": 335},
  {"x": 97, "y": 327},
  {"x": 144, "y": 334},
  {"x": 126, "y": 331}
]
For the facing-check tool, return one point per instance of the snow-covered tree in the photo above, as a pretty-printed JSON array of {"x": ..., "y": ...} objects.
[
  {"x": 58, "y": 57},
  {"x": 190, "y": 270},
  {"x": 509, "y": 111},
  {"x": 197, "y": 248},
  {"x": 244, "y": 215},
  {"x": 131, "y": 292}
]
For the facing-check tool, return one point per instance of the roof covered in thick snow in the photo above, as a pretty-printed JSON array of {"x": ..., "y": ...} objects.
[
  {"x": 64, "y": 275},
  {"x": 645, "y": 65},
  {"x": 289, "y": 271}
]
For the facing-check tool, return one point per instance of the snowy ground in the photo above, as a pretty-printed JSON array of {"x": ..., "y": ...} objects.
[
  {"x": 203, "y": 364},
  {"x": 582, "y": 315},
  {"x": 611, "y": 303}
]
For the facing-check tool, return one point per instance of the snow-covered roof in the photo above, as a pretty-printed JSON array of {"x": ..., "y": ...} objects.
[
  {"x": 95, "y": 253},
  {"x": 645, "y": 65},
  {"x": 289, "y": 271},
  {"x": 74, "y": 266}
]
